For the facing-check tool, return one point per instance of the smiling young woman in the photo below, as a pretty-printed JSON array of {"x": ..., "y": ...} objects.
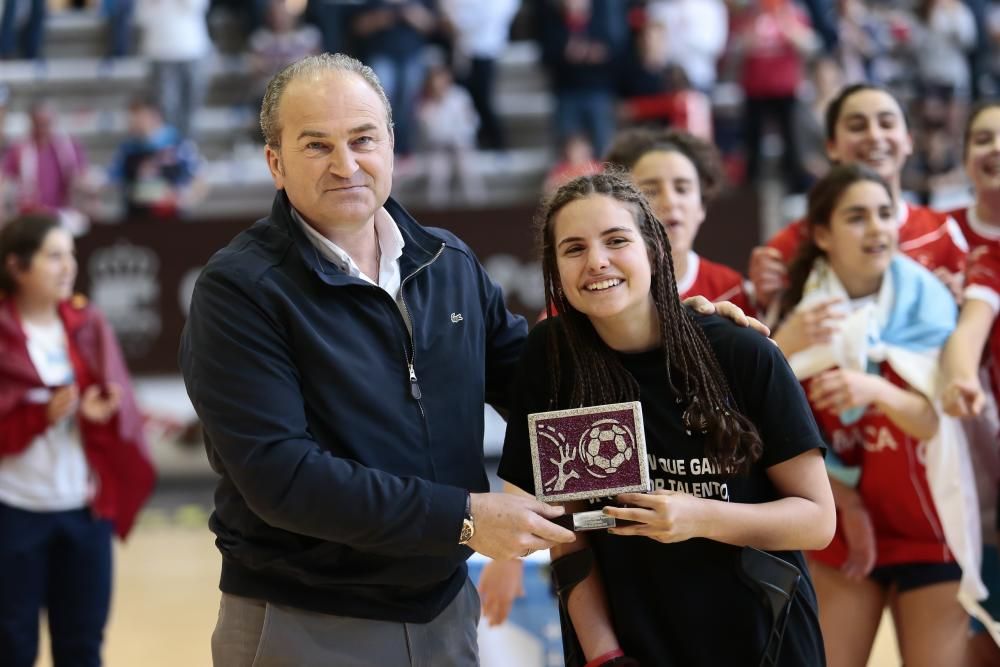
[
  {"x": 711, "y": 393},
  {"x": 975, "y": 346}
]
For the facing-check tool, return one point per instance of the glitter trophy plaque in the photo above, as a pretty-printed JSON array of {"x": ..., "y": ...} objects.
[{"x": 588, "y": 453}]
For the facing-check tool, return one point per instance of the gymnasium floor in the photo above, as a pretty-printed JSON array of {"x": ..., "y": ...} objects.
[{"x": 166, "y": 596}]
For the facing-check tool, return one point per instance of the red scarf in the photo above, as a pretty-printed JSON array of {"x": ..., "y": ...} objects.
[{"x": 117, "y": 451}]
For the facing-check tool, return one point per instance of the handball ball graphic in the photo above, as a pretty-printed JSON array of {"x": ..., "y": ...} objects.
[{"x": 606, "y": 446}]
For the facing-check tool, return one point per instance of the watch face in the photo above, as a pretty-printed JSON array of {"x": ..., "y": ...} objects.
[{"x": 467, "y": 532}]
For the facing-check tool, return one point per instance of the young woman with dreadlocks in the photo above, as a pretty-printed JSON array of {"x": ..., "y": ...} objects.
[{"x": 734, "y": 454}]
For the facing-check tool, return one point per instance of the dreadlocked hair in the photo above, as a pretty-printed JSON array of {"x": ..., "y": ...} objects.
[
  {"x": 693, "y": 373},
  {"x": 822, "y": 201}
]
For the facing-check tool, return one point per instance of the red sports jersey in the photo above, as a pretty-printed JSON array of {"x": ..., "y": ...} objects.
[
  {"x": 715, "y": 282},
  {"x": 982, "y": 282},
  {"x": 893, "y": 487},
  {"x": 934, "y": 239},
  {"x": 975, "y": 231}
]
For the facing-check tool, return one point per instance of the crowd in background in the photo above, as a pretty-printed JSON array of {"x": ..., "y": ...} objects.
[{"x": 754, "y": 76}]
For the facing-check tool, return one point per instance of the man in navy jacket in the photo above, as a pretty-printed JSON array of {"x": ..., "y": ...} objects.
[{"x": 339, "y": 356}]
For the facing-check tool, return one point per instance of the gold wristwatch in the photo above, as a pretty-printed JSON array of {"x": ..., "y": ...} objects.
[{"x": 468, "y": 523}]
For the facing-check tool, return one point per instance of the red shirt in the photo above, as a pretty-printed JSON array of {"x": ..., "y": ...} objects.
[
  {"x": 715, "y": 282},
  {"x": 982, "y": 282},
  {"x": 772, "y": 64},
  {"x": 976, "y": 232},
  {"x": 893, "y": 487},
  {"x": 689, "y": 110},
  {"x": 982, "y": 277},
  {"x": 932, "y": 238}
]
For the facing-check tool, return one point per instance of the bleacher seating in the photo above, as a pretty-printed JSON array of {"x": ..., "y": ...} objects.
[{"x": 92, "y": 93}]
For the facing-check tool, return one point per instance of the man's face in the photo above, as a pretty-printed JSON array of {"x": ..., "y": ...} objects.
[{"x": 335, "y": 160}]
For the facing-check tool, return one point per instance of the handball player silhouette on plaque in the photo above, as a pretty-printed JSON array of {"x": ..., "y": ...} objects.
[{"x": 588, "y": 453}]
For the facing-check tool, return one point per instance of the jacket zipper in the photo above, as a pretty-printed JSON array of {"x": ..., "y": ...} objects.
[{"x": 405, "y": 312}]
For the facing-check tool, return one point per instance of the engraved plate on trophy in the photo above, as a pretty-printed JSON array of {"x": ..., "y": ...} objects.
[{"x": 587, "y": 453}]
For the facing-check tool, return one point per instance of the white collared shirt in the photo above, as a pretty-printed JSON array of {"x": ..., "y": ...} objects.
[{"x": 390, "y": 241}]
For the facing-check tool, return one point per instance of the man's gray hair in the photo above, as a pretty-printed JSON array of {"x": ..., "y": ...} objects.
[{"x": 324, "y": 62}]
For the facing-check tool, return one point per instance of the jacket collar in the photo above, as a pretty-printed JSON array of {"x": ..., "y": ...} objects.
[
  {"x": 73, "y": 312},
  {"x": 420, "y": 246},
  {"x": 16, "y": 367}
]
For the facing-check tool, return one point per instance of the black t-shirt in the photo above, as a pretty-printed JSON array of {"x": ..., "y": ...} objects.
[{"x": 685, "y": 603}]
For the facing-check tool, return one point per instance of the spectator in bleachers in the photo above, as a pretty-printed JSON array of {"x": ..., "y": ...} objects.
[
  {"x": 332, "y": 17},
  {"x": 391, "y": 38},
  {"x": 826, "y": 79},
  {"x": 577, "y": 160},
  {"x": 45, "y": 169},
  {"x": 119, "y": 15},
  {"x": 448, "y": 124},
  {"x": 582, "y": 41},
  {"x": 936, "y": 165},
  {"x": 644, "y": 65},
  {"x": 863, "y": 41},
  {"x": 991, "y": 77},
  {"x": 175, "y": 40},
  {"x": 942, "y": 38},
  {"x": 22, "y": 28},
  {"x": 4, "y": 101},
  {"x": 250, "y": 14},
  {"x": 279, "y": 42},
  {"x": 696, "y": 36},
  {"x": 481, "y": 31},
  {"x": 156, "y": 166},
  {"x": 674, "y": 102},
  {"x": 823, "y": 20},
  {"x": 773, "y": 39},
  {"x": 982, "y": 79}
]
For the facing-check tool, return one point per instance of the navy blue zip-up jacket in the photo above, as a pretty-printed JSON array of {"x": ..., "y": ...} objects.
[{"x": 344, "y": 474}]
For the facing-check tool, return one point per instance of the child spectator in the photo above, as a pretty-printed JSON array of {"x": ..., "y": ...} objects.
[
  {"x": 278, "y": 43},
  {"x": 155, "y": 166},
  {"x": 448, "y": 124},
  {"x": 175, "y": 40},
  {"x": 772, "y": 38}
]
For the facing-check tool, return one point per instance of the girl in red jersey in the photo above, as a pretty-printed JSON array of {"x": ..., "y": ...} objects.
[
  {"x": 976, "y": 339},
  {"x": 870, "y": 388},
  {"x": 972, "y": 354},
  {"x": 73, "y": 462},
  {"x": 980, "y": 222},
  {"x": 679, "y": 174},
  {"x": 866, "y": 125}
]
